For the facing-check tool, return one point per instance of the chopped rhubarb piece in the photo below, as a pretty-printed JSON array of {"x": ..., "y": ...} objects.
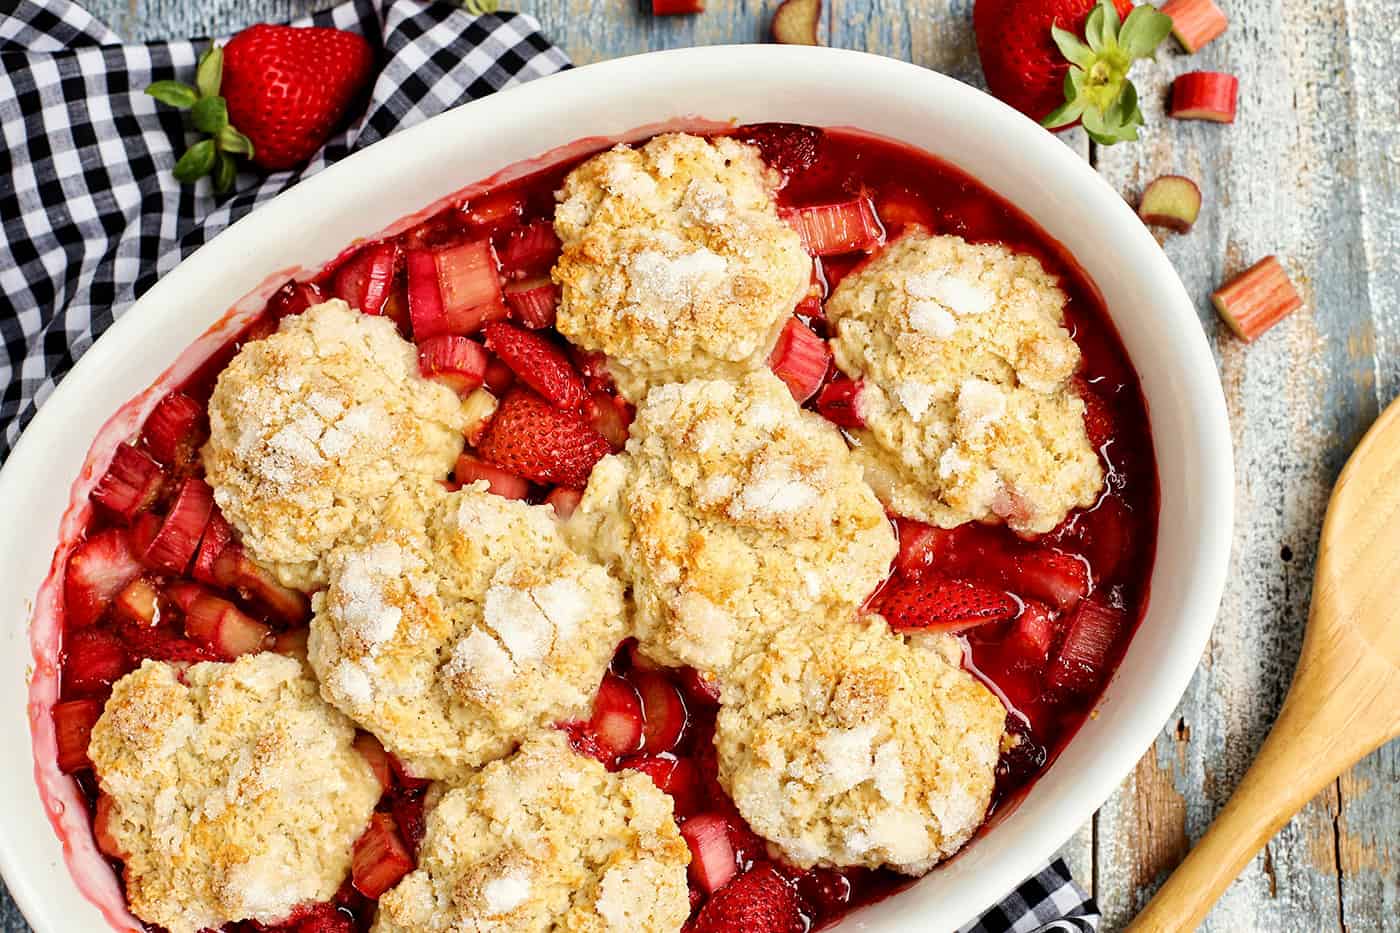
[
  {"x": 425, "y": 309},
  {"x": 533, "y": 439},
  {"x": 941, "y": 603},
  {"x": 1172, "y": 201},
  {"x": 457, "y": 362},
  {"x": 174, "y": 545},
  {"x": 234, "y": 568},
  {"x": 477, "y": 410},
  {"x": 1079, "y": 666},
  {"x": 664, "y": 716},
  {"x": 72, "y": 727},
  {"x": 502, "y": 482},
  {"x": 712, "y": 860},
  {"x": 676, "y": 7},
  {"x": 829, "y": 229},
  {"x": 1204, "y": 95},
  {"x": 175, "y": 430},
  {"x": 800, "y": 358},
  {"x": 839, "y": 402},
  {"x": 366, "y": 279},
  {"x": 538, "y": 362},
  {"x": 93, "y": 659},
  {"x": 1195, "y": 22},
  {"x": 137, "y": 601},
  {"x": 98, "y": 570},
  {"x": 671, "y": 775},
  {"x": 1027, "y": 646},
  {"x": 183, "y": 594},
  {"x": 217, "y": 536},
  {"x": 1056, "y": 577},
  {"x": 292, "y": 642},
  {"x": 921, "y": 547},
  {"x": 611, "y": 416},
  {"x": 468, "y": 277},
  {"x": 102, "y": 830},
  {"x": 131, "y": 483},
  {"x": 533, "y": 303},
  {"x": 795, "y": 22},
  {"x": 222, "y": 626},
  {"x": 531, "y": 249},
  {"x": 564, "y": 501},
  {"x": 616, "y": 723},
  {"x": 380, "y": 858},
  {"x": 1257, "y": 298},
  {"x": 368, "y": 747}
]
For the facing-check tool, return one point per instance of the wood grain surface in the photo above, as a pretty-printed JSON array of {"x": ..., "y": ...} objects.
[{"x": 1311, "y": 172}]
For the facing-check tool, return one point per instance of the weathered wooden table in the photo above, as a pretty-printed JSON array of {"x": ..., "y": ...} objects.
[{"x": 1311, "y": 171}]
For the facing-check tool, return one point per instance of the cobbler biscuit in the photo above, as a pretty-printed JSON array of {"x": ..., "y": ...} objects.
[
  {"x": 452, "y": 637},
  {"x": 732, "y": 513},
  {"x": 967, "y": 398},
  {"x": 312, "y": 427},
  {"x": 236, "y": 792},
  {"x": 545, "y": 840},
  {"x": 846, "y": 745},
  {"x": 675, "y": 262}
]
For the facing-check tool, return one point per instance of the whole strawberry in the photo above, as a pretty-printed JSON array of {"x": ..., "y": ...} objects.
[
  {"x": 1062, "y": 62},
  {"x": 274, "y": 94}
]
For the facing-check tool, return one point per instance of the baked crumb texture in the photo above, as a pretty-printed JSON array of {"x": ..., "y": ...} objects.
[
  {"x": 451, "y": 635},
  {"x": 312, "y": 428},
  {"x": 236, "y": 793},
  {"x": 848, "y": 745},
  {"x": 970, "y": 410},
  {"x": 733, "y": 514},
  {"x": 675, "y": 262},
  {"x": 545, "y": 840}
]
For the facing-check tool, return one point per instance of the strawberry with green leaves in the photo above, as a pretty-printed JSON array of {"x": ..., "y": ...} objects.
[
  {"x": 274, "y": 95},
  {"x": 1063, "y": 62}
]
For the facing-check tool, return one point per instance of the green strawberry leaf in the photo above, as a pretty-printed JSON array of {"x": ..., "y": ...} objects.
[
  {"x": 209, "y": 114},
  {"x": 1075, "y": 51},
  {"x": 1143, "y": 31},
  {"x": 1109, "y": 24},
  {"x": 233, "y": 142},
  {"x": 1093, "y": 28},
  {"x": 174, "y": 93},
  {"x": 196, "y": 162},
  {"x": 225, "y": 171},
  {"x": 210, "y": 73}
]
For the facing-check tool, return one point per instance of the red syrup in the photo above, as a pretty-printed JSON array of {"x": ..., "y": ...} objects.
[{"x": 1035, "y": 662}]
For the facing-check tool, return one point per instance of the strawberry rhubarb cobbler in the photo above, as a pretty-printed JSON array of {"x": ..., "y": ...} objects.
[{"x": 707, "y": 534}]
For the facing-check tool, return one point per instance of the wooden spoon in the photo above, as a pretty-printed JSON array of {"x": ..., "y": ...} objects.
[{"x": 1345, "y": 697}]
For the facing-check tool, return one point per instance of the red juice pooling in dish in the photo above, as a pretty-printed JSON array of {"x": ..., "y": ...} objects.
[{"x": 160, "y": 574}]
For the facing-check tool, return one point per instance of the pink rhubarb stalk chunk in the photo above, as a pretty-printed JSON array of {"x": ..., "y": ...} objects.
[
  {"x": 177, "y": 540},
  {"x": 712, "y": 861},
  {"x": 1172, "y": 201},
  {"x": 831, "y": 229},
  {"x": 1195, "y": 22},
  {"x": 676, "y": 7},
  {"x": 457, "y": 362},
  {"x": 380, "y": 857},
  {"x": 130, "y": 484},
  {"x": 502, "y": 482},
  {"x": 1205, "y": 95},
  {"x": 365, "y": 280},
  {"x": 1257, "y": 298},
  {"x": 800, "y": 358},
  {"x": 534, "y": 302}
]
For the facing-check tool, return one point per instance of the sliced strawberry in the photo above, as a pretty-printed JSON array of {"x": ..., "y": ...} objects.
[
  {"x": 366, "y": 279},
  {"x": 72, "y": 727},
  {"x": 380, "y": 857},
  {"x": 1027, "y": 646},
  {"x": 457, "y": 362},
  {"x": 234, "y": 568},
  {"x": 533, "y": 439},
  {"x": 368, "y": 747},
  {"x": 478, "y": 408},
  {"x": 102, "y": 831},
  {"x": 712, "y": 861},
  {"x": 175, "y": 430},
  {"x": 611, "y": 415},
  {"x": 800, "y": 358},
  {"x": 222, "y": 626},
  {"x": 159, "y": 640},
  {"x": 838, "y": 402},
  {"x": 1056, "y": 577},
  {"x": 616, "y": 723},
  {"x": 664, "y": 716},
  {"x": 594, "y": 368},
  {"x": 758, "y": 901},
  {"x": 499, "y": 377},
  {"x": 565, "y": 501},
  {"x": 1080, "y": 664},
  {"x": 533, "y": 303},
  {"x": 174, "y": 545},
  {"x": 921, "y": 547},
  {"x": 503, "y": 483},
  {"x": 677, "y": 777},
  {"x": 218, "y": 534},
  {"x": 1098, "y": 418},
  {"x": 132, "y": 482},
  {"x": 531, "y": 249},
  {"x": 945, "y": 604},
  {"x": 538, "y": 362},
  {"x": 319, "y": 918},
  {"x": 788, "y": 147},
  {"x": 93, "y": 659},
  {"x": 137, "y": 601},
  {"x": 98, "y": 570},
  {"x": 408, "y": 814},
  {"x": 832, "y": 229}
]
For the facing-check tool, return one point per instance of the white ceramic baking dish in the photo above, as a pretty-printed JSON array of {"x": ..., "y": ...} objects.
[{"x": 65, "y": 887}]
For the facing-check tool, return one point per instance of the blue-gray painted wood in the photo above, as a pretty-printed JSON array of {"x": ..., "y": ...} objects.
[{"x": 1311, "y": 171}]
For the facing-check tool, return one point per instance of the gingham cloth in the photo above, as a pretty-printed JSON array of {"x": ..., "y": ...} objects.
[{"x": 92, "y": 216}]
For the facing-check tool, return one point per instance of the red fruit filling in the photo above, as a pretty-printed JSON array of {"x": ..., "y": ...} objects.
[{"x": 380, "y": 858}]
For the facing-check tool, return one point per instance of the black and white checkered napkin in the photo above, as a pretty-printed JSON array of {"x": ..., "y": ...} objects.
[{"x": 92, "y": 216}]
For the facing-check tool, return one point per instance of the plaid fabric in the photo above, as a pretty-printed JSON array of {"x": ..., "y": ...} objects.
[{"x": 92, "y": 216}]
